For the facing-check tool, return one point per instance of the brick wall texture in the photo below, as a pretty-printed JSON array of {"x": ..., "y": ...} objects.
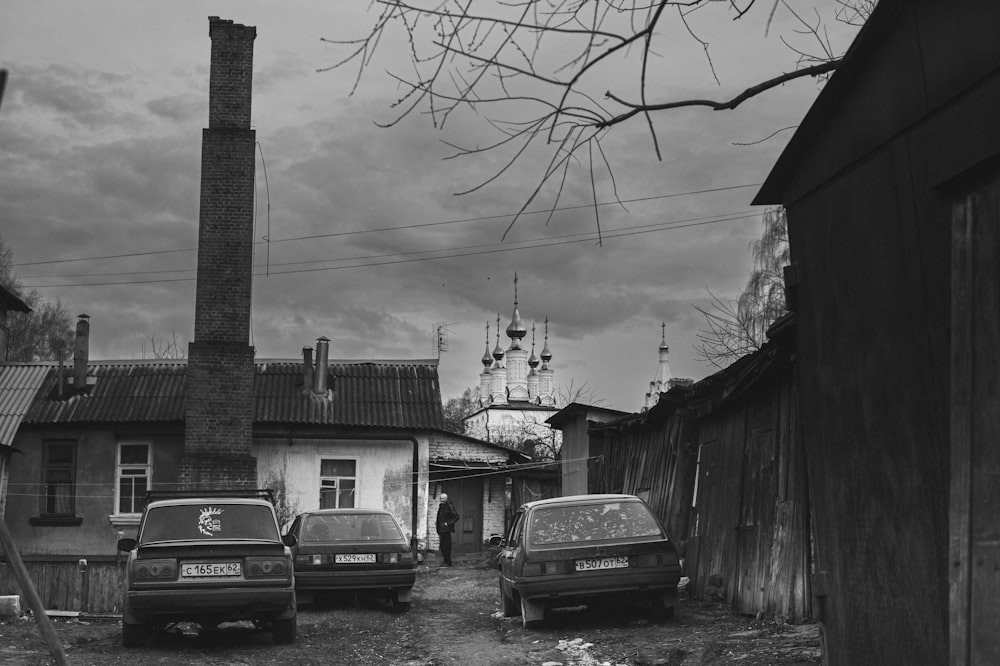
[{"x": 218, "y": 424}]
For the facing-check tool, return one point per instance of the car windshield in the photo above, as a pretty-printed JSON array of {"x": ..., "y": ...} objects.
[
  {"x": 209, "y": 522},
  {"x": 591, "y": 522},
  {"x": 350, "y": 527}
]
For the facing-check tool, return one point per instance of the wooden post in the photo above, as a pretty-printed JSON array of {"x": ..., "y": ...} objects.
[{"x": 34, "y": 601}]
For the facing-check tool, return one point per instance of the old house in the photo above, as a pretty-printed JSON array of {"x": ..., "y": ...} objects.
[
  {"x": 365, "y": 433},
  {"x": 18, "y": 384},
  {"x": 891, "y": 186}
]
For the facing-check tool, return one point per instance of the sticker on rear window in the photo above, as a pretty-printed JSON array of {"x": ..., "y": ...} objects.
[{"x": 207, "y": 524}]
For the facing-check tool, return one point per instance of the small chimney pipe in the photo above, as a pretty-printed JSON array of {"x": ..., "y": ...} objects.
[
  {"x": 81, "y": 352},
  {"x": 307, "y": 368},
  {"x": 322, "y": 364}
]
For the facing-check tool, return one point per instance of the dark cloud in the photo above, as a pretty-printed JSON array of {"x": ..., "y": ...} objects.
[{"x": 179, "y": 108}]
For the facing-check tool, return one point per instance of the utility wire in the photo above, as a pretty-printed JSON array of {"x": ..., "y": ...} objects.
[
  {"x": 721, "y": 217},
  {"x": 414, "y": 259},
  {"x": 547, "y": 211}
]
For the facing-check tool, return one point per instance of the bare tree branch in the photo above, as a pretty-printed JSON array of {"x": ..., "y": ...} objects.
[{"x": 539, "y": 67}]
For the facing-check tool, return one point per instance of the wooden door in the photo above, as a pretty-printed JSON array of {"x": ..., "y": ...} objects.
[{"x": 467, "y": 496}]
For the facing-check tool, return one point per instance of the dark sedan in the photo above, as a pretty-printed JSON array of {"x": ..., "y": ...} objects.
[
  {"x": 363, "y": 550},
  {"x": 573, "y": 550}
]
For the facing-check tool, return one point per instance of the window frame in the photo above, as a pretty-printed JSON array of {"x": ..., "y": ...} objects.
[
  {"x": 148, "y": 467},
  {"x": 337, "y": 490},
  {"x": 45, "y": 516}
]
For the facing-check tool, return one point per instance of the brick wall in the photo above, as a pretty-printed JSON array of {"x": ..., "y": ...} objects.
[
  {"x": 218, "y": 425},
  {"x": 446, "y": 449}
]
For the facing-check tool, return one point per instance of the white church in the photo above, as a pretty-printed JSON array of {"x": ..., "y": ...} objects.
[{"x": 517, "y": 391}]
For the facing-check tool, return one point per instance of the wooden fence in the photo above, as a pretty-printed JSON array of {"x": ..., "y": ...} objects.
[{"x": 63, "y": 585}]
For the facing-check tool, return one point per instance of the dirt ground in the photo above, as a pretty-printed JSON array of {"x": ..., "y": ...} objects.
[{"x": 455, "y": 619}]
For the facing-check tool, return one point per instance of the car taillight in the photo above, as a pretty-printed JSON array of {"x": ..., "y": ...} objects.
[
  {"x": 533, "y": 569},
  {"x": 648, "y": 559},
  {"x": 155, "y": 569},
  {"x": 266, "y": 567},
  {"x": 395, "y": 558}
]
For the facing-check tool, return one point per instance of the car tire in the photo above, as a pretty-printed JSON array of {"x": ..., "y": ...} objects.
[
  {"x": 532, "y": 613},
  {"x": 510, "y": 607},
  {"x": 284, "y": 631},
  {"x": 134, "y": 635}
]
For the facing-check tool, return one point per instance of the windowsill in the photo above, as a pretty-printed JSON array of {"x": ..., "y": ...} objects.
[
  {"x": 124, "y": 519},
  {"x": 56, "y": 521}
]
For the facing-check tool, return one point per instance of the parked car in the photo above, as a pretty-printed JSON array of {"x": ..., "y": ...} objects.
[
  {"x": 569, "y": 551},
  {"x": 353, "y": 550},
  {"x": 208, "y": 558}
]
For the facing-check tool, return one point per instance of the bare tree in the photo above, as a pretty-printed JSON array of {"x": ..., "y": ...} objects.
[
  {"x": 583, "y": 394},
  {"x": 40, "y": 335},
  {"x": 162, "y": 348},
  {"x": 456, "y": 409},
  {"x": 736, "y": 328},
  {"x": 537, "y": 70}
]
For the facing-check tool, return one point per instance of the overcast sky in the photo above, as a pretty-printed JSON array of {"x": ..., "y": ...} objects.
[{"x": 100, "y": 136}]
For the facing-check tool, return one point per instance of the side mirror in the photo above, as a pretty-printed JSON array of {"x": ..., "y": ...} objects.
[
  {"x": 290, "y": 540},
  {"x": 126, "y": 544},
  {"x": 496, "y": 541}
]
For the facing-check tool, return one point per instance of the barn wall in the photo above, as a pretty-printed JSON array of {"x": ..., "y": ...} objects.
[{"x": 872, "y": 254}]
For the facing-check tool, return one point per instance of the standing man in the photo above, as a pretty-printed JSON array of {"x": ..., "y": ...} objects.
[{"x": 446, "y": 519}]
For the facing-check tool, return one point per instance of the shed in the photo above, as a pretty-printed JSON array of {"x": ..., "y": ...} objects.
[{"x": 892, "y": 190}]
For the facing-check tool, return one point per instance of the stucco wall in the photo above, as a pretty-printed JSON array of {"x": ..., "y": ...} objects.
[
  {"x": 96, "y": 460},
  {"x": 384, "y": 473}
]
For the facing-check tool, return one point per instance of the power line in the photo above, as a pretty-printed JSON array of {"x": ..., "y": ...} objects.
[
  {"x": 548, "y": 243},
  {"x": 720, "y": 217},
  {"x": 400, "y": 227}
]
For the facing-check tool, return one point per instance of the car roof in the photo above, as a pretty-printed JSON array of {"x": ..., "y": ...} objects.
[
  {"x": 580, "y": 499},
  {"x": 250, "y": 501},
  {"x": 343, "y": 512}
]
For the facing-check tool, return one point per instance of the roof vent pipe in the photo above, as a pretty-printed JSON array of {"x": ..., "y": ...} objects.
[
  {"x": 307, "y": 368},
  {"x": 322, "y": 364},
  {"x": 81, "y": 352}
]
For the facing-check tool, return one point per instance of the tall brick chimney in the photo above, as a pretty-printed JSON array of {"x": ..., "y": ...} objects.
[{"x": 218, "y": 422}]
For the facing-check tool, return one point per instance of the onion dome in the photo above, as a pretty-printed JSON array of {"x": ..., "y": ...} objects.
[
  {"x": 533, "y": 360},
  {"x": 546, "y": 354},
  {"x": 487, "y": 359},
  {"x": 498, "y": 350},
  {"x": 516, "y": 329}
]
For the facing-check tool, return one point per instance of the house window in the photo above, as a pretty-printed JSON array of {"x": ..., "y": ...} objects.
[
  {"x": 134, "y": 472},
  {"x": 337, "y": 483},
  {"x": 59, "y": 482}
]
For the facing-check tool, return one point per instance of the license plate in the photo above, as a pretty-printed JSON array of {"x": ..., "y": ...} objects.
[
  {"x": 210, "y": 570},
  {"x": 355, "y": 558},
  {"x": 620, "y": 562}
]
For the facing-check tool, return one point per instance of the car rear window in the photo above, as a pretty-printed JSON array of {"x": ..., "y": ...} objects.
[
  {"x": 591, "y": 522},
  {"x": 208, "y": 522},
  {"x": 350, "y": 527}
]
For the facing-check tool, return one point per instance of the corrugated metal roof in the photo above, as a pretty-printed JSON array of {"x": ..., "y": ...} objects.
[
  {"x": 19, "y": 382},
  {"x": 387, "y": 394}
]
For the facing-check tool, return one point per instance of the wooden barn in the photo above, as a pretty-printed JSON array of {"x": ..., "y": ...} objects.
[
  {"x": 892, "y": 189},
  {"x": 722, "y": 464}
]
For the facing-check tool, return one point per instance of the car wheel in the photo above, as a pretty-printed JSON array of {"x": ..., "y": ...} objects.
[
  {"x": 510, "y": 608},
  {"x": 284, "y": 631},
  {"x": 532, "y": 613},
  {"x": 134, "y": 635}
]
